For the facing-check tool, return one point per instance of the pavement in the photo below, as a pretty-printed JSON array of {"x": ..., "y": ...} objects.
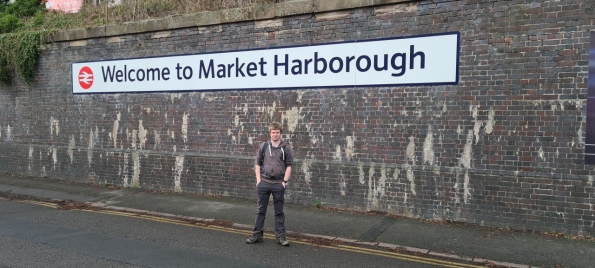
[{"x": 483, "y": 246}]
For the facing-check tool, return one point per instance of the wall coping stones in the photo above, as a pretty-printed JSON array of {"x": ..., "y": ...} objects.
[{"x": 253, "y": 13}]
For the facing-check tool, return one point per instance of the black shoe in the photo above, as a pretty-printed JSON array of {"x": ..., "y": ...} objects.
[
  {"x": 282, "y": 241},
  {"x": 254, "y": 239}
]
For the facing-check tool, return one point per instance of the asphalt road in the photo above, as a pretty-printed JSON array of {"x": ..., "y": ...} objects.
[{"x": 38, "y": 235}]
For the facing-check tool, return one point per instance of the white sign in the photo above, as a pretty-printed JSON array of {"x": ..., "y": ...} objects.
[{"x": 420, "y": 60}]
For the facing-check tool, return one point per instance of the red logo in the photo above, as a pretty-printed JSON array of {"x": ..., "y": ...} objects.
[{"x": 86, "y": 77}]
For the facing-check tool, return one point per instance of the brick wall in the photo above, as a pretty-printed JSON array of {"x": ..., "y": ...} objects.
[{"x": 505, "y": 147}]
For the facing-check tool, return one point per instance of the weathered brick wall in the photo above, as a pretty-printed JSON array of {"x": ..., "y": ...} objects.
[{"x": 505, "y": 147}]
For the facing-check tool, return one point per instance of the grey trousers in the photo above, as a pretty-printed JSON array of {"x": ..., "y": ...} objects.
[{"x": 264, "y": 191}]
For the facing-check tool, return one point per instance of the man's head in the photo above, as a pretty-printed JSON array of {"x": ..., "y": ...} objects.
[
  {"x": 275, "y": 129},
  {"x": 276, "y": 126}
]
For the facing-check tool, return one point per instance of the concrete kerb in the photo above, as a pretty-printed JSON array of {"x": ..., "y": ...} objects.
[{"x": 506, "y": 264}]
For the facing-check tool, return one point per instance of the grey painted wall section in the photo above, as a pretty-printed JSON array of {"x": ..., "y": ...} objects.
[{"x": 505, "y": 147}]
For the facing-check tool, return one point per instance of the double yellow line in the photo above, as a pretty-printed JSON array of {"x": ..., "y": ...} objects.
[
  {"x": 45, "y": 204},
  {"x": 361, "y": 250}
]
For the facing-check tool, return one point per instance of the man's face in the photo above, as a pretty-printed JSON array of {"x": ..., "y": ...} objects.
[{"x": 275, "y": 134}]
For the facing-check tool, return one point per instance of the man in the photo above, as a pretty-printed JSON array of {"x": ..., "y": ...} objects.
[{"x": 273, "y": 169}]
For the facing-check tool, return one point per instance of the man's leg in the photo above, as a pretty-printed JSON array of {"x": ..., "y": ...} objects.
[
  {"x": 278, "y": 201},
  {"x": 263, "y": 190}
]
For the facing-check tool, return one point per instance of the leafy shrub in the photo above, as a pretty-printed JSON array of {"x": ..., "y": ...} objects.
[
  {"x": 27, "y": 53},
  {"x": 3, "y": 5},
  {"x": 24, "y": 8},
  {"x": 9, "y": 23},
  {"x": 38, "y": 20},
  {"x": 5, "y": 69}
]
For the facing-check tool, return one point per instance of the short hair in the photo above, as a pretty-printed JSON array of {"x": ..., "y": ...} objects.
[{"x": 276, "y": 126}]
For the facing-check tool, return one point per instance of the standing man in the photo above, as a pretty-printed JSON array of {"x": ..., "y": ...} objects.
[{"x": 273, "y": 169}]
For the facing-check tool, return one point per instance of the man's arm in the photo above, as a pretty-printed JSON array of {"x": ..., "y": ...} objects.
[
  {"x": 288, "y": 163},
  {"x": 287, "y": 175},
  {"x": 258, "y": 161},
  {"x": 257, "y": 172}
]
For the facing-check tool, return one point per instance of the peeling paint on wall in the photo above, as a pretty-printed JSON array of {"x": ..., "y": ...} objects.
[
  {"x": 490, "y": 123},
  {"x": 269, "y": 109},
  {"x": 209, "y": 97},
  {"x": 306, "y": 170},
  {"x": 8, "y": 133},
  {"x": 376, "y": 189},
  {"x": 30, "y": 157},
  {"x": 71, "y": 145},
  {"x": 243, "y": 107},
  {"x": 292, "y": 117},
  {"x": 174, "y": 96},
  {"x": 466, "y": 190},
  {"x": 90, "y": 148},
  {"x": 157, "y": 139},
  {"x": 428, "y": 150},
  {"x": 96, "y": 136},
  {"x": 410, "y": 151},
  {"x": 396, "y": 174},
  {"x": 411, "y": 179},
  {"x": 360, "y": 167},
  {"x": 337, "y": 155},
  {"x": 371, "y": 185},
  {"x": 465, "y": 159},
  {"x": 236, "y": 120},
  {"x": 444, "y": 108},
  {"x": 178, "y": 173},
  {"x": 54, "y": 156},
  {"x": 381, "y": 190},
  {"x": 124, "y": 171},
  {"x": 477, "y": 123},
  {"x": 134, "y": 138},
  {"x": 115, "y": 130},
  {"x": 54, "y": 127},
  {"x": 185, "y": 127},
  {"x": 300, "y": 94},
  {"x": 142, "y": 135},
  {"x": 343, "y": 187},
  {"x": 230, "y": 133},
  {"x": 313, "y": 138},
  {"x": 349, "y": 147},
  {"x": 135, "y": 178}
]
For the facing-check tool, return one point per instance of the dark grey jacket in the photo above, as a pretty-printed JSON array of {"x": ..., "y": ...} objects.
[{"x": 274, "y": 160}]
